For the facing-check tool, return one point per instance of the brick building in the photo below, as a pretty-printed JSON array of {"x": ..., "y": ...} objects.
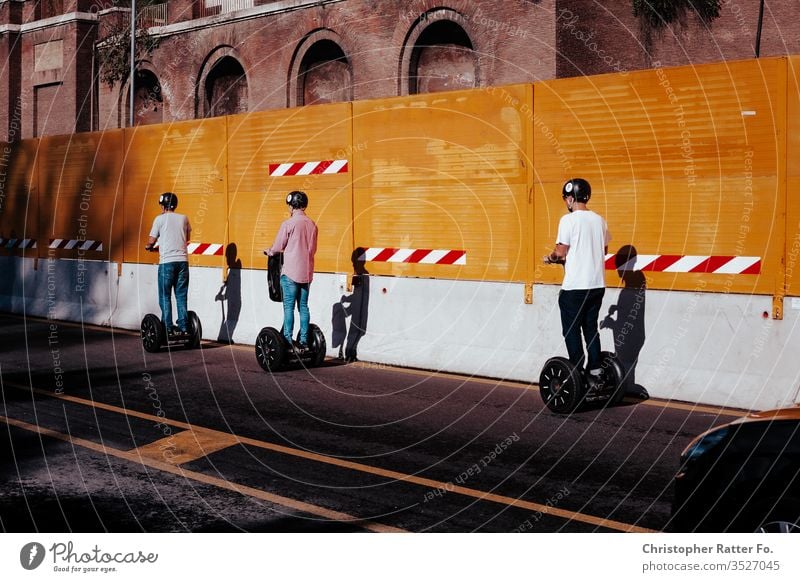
[{"x": 217, "y": 57}]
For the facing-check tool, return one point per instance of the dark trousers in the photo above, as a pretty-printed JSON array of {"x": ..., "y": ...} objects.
[{"x": 580, "y": 310}]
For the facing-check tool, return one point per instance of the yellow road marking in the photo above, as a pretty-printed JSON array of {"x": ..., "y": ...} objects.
[
  {"x": 446, "y": 375},
  {"x": 185, "y": 446},
  {"x": 360, "y": 467},
  {"x": 132, "y": 456},
  {"x": 715, "y": 410}
]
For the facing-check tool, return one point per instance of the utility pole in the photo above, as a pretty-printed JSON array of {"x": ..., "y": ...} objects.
[
  {"x": 133, "y": 55},
  {"x": 758, "y": 30}
]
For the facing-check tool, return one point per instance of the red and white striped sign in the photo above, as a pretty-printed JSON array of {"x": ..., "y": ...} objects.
[
  {"x": 205, "y": 249},
  {"x": 419, "y": 256},
  {"x": 308, "y": 168},
  {"x": 71, "y": 244},
  {"x": 719, "y": 265},
  {"x": 17, "y": 243}
]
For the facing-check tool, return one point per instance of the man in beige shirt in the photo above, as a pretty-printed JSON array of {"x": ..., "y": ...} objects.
[{"x": 171, "y": 231}]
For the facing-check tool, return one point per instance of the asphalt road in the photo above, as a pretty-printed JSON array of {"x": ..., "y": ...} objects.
[{"x": 97, "y": 435}]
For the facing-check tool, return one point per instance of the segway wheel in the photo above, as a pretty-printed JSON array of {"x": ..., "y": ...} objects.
[
  {"x": 560, "y": 386},
  {"x": 615, "y": 376},
  {"x": 317, "y": 345},
  {"x": 270, "y": 349},
  {"x": 195, "y": 330},
  {"x": 152, "y": 333}
]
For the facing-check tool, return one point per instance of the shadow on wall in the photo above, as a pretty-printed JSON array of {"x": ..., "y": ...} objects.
[
  {"x": 230, "y": 293},
  {"x": 8, "y": 266},
  {"x": 355, "y": 306},
  {"x": 626, "y": 319}
]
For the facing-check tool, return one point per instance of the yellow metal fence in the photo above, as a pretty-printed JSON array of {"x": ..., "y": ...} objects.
[{"x": 691, "y": 166}]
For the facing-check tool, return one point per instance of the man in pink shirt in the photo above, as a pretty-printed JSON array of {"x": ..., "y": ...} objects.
[{"x": 297, "y": 240}]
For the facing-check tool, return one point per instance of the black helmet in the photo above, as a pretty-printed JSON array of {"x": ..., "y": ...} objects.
[
  {"x": 168, "y": 200},
  {"x": 578, "y": 188},
  {"x": 297, "y": 199}
]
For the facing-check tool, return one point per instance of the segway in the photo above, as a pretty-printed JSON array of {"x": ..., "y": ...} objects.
[
  {"x": 154, "y": 334},
  {"x": 273, "y": 352},
  {"x": 565, "y": 388}
]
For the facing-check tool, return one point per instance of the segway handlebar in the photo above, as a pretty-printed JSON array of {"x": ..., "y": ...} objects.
[{"x": 548, "y": 260}]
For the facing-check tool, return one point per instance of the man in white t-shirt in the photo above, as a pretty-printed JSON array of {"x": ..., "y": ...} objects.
[
  {"x": 581, "y": 244},
  {"x": 171, "y": 230}
]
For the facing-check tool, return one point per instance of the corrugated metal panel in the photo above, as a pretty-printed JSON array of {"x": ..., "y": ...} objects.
[
  {"x": 682, "y": 161},
  {"x": 80, "y": 196},
  {"x": 187, "y": 158},
  {"x": 271, "y": 153},
  {"x": 446, "y": 171},
  {"x": 793, "y": 178},
  {"x": 19, "y": 210}
]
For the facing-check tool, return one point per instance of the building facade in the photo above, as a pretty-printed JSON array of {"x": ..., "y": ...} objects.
[{"x": 221, "y": 57}]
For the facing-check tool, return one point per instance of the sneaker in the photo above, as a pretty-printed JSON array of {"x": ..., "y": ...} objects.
[{"x": 596, "y": 372}]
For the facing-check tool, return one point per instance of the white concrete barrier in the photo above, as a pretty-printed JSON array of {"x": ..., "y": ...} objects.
[{"x": 707, "y": 348}]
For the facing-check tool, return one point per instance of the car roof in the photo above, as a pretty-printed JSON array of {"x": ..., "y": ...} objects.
[{"x": 787, "y": 413}]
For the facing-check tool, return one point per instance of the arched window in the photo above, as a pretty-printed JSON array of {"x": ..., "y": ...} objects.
[
  {"x": 147, "y": 100},
  {"x": 324, "y": 75},
  {"x": 225, "y": 91},
  {"x": 442, "y": 59},
  {"x": 48, "y": 8}
]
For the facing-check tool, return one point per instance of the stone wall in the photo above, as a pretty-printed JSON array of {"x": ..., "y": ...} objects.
[{"x": 508, "y": 41}]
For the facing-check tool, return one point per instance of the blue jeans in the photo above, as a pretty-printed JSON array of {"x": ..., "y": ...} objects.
[
  {"x": 580, "y": 310},
  {"x": 295, "y": 293},
  {"x": 173, "y": 276}
]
